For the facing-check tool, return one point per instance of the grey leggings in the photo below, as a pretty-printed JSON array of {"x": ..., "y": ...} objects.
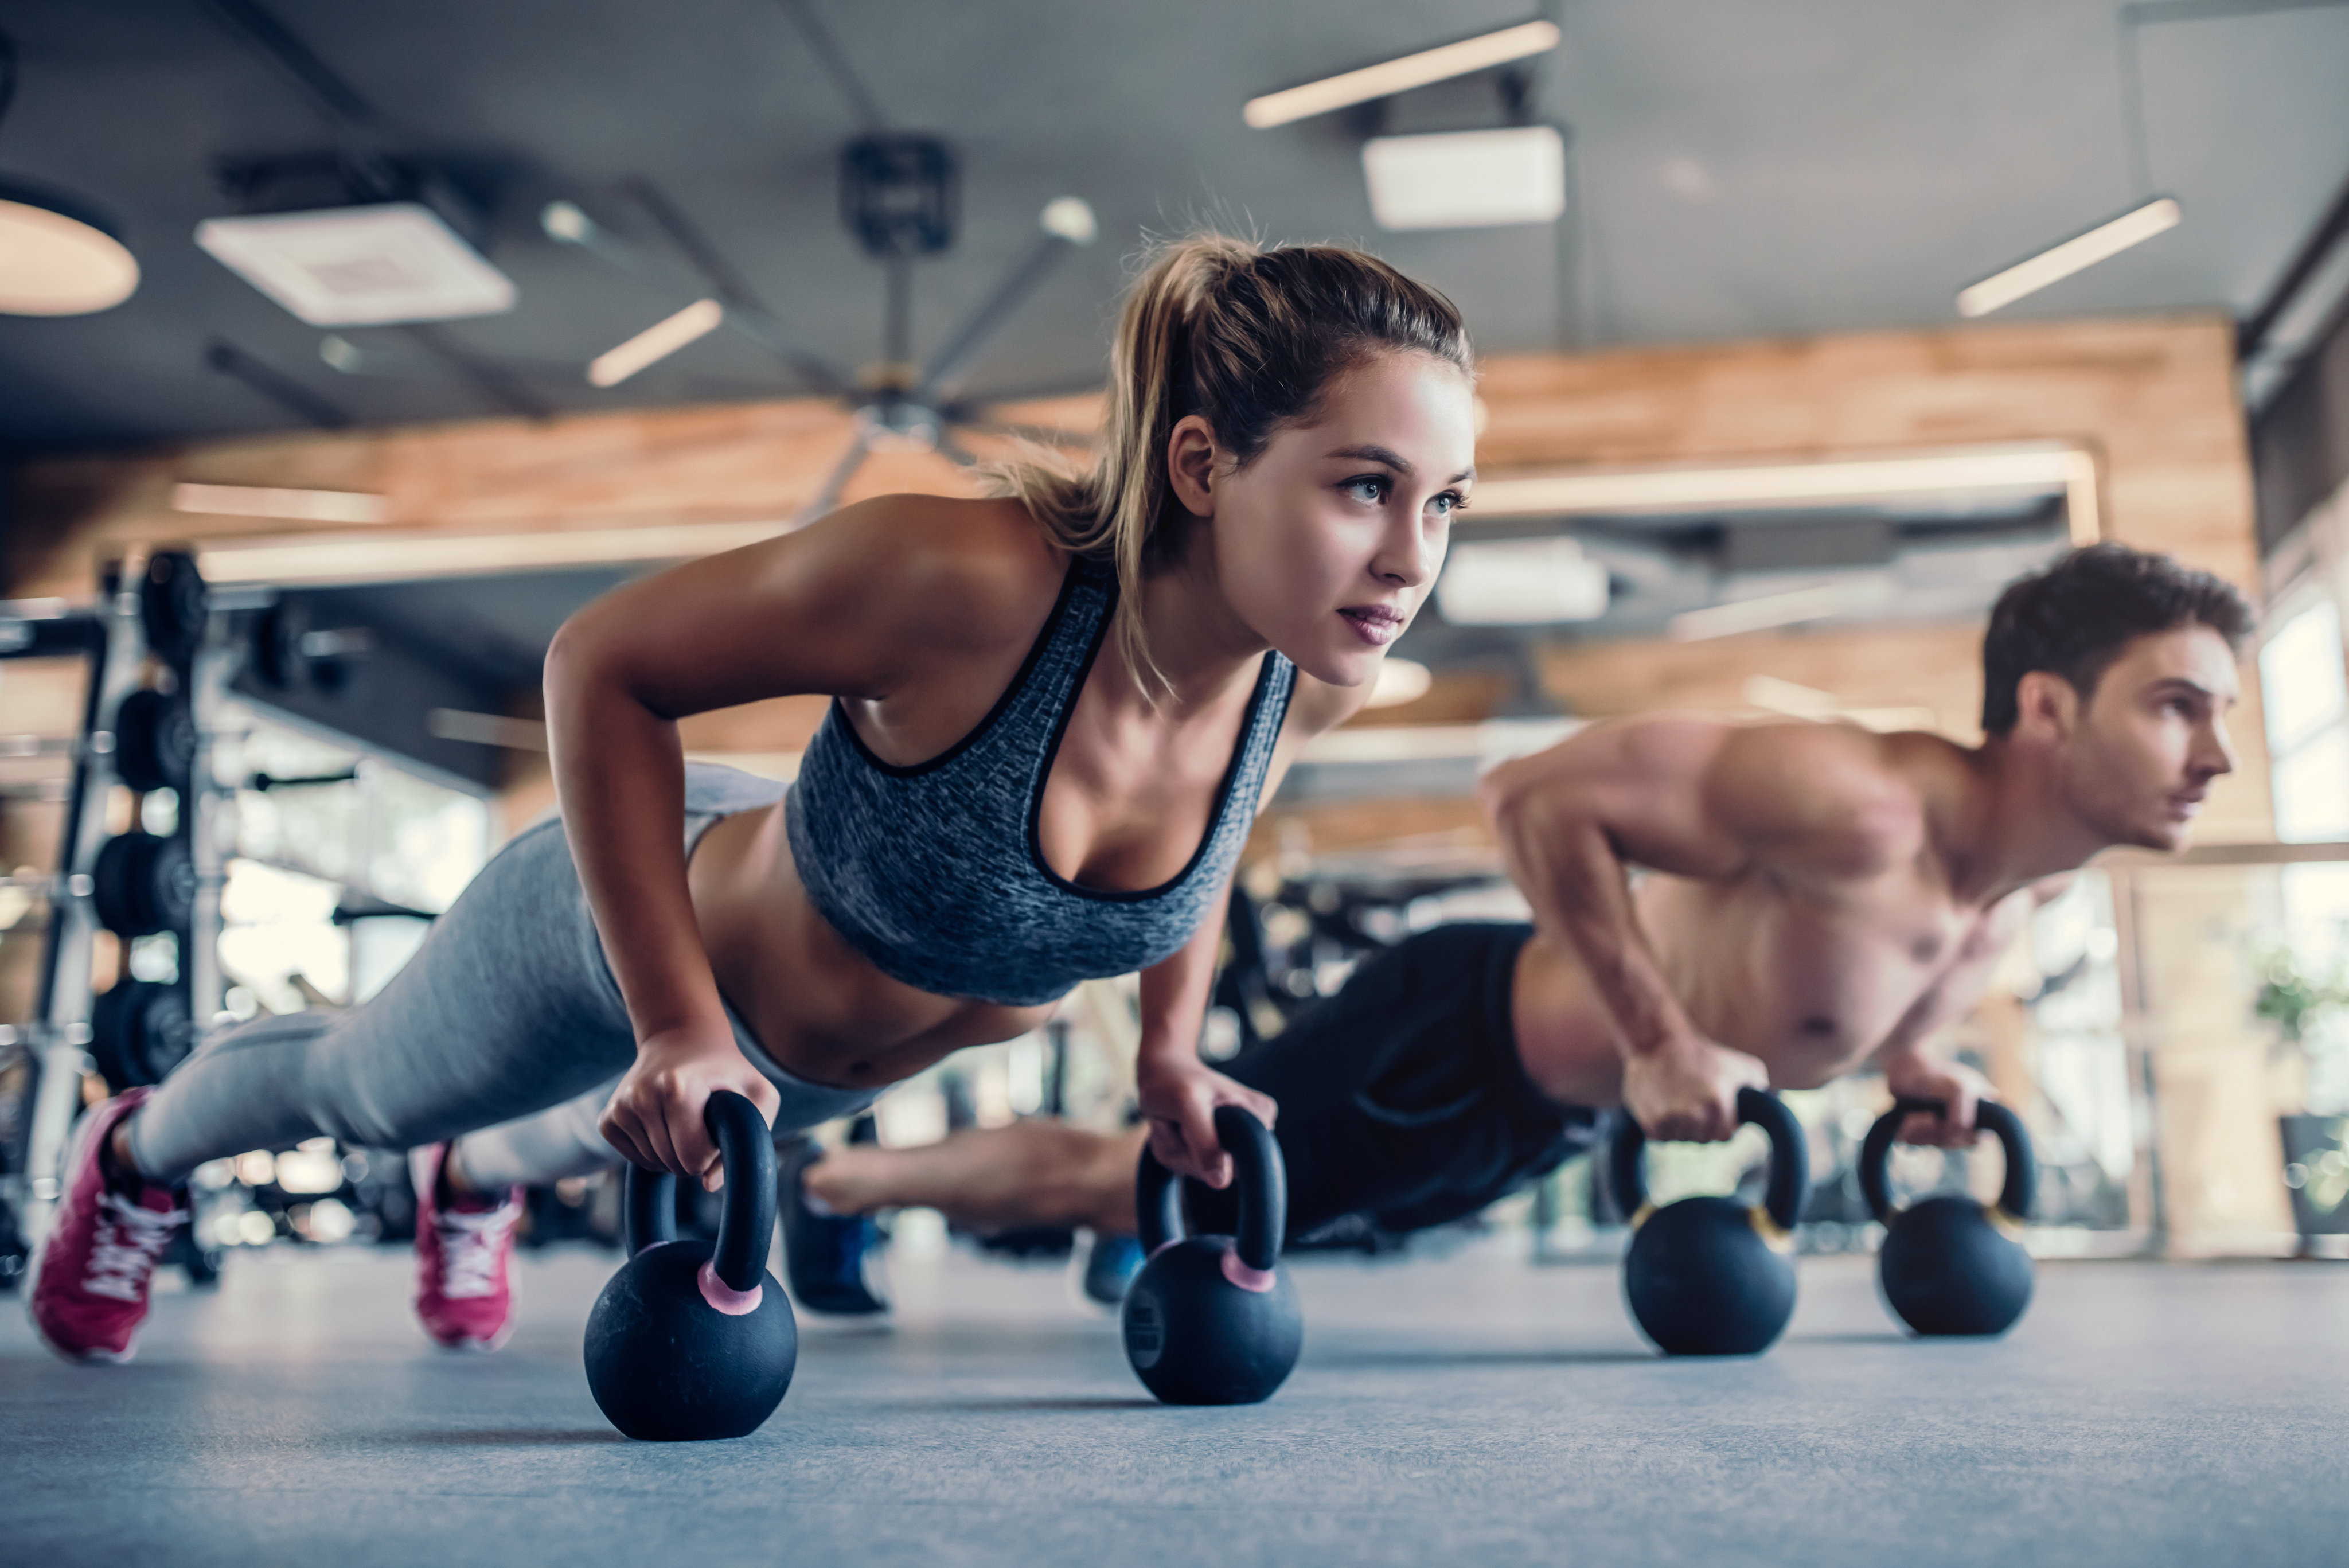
[{"x": 506, "y": 1026}]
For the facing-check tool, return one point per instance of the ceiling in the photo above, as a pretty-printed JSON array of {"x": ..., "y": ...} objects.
[{"x": 1738, "y": 170}]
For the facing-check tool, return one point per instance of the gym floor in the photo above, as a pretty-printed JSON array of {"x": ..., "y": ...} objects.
[{"x": 1462, "y": 1410}]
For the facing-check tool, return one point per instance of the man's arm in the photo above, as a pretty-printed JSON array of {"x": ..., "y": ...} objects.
[
  {"x": 1695, "y": 798},
  {"x": 1910, "y": 1071}
]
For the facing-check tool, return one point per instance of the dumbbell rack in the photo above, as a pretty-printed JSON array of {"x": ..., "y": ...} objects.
[{"x": 152, "y": 606}]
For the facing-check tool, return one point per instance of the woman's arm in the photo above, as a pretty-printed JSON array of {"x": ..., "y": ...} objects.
[
  {"x": 1179, "y": 1093},
  {"x": 873, "y": 599}
]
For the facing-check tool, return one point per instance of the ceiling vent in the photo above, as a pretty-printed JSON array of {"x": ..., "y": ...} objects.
[
  {"x": 1466, "y": 179},
  {"x": 360, "y": 266},
  {"x": 344, "y": 243}
]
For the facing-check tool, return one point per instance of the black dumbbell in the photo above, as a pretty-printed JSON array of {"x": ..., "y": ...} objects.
[
  {"x": 1212, "y": 1320},
  {"x": 142, "y": 883},
  {"x": 689, "y": 1340},
  {"x": 173, "y": 604},
  {"x": 1952, "y": 1264},
  {"x": 139, "y": 1031},
  {"x": 155, "y": 742},
  {"x": 1710, "y": 1276}
]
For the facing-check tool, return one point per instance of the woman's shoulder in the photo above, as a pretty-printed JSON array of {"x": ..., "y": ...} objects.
[{"x": 977, "y": 571}]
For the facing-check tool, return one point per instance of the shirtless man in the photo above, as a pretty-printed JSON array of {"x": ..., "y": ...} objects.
[{"x": 1820, "y": 898}]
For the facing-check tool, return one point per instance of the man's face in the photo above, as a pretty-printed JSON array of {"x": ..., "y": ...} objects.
[{"x": 2142, "y": 752}]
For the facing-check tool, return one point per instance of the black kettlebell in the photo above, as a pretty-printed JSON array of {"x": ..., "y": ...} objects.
[
  {"x": 1211, "y": 1320},
  {"x": 1709, "y": 1276},
  {"x": 688, "y": 1342},
  {"x": 1952, "y": 1264}
]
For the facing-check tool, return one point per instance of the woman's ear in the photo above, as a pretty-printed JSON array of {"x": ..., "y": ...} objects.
[{"x": 1191, "y": 465}]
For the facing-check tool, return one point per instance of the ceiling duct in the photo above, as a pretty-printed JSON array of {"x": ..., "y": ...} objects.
[{"x": 343, "y": 239}]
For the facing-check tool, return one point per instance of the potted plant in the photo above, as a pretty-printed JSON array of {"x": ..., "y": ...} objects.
[{"x": 2299, "y": 997}]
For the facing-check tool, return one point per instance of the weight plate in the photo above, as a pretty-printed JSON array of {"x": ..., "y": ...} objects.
[
  {"x": 174, "y": 605},
  {"x": 142, "y": 883},
  {"x": 277, "y": 656},
  {"x": 139, "y": 1031},
  {"x": 154, "y": 742}
]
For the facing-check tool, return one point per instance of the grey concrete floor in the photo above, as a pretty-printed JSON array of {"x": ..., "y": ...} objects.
[{"x": 1470, "y": 1409}]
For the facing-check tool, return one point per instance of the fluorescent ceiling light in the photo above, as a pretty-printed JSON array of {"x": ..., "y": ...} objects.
[
  {"x": 359, "y": 266},
  {"x": 655, "y": 343},
  {"x": 1466, "y": 179},
  {"x": 1835, "y": 481},
  {"x": 1772, "y": 695},
  {"x": 419, "y": 556},
  {"x": 1495, "y": 739},
  {"x": 302, "y": 505},
  {"x": 1521, "y": 582},
  {"x": 1778, "y": 610},
  {"x": 2002, "y": 288},
  {"x": 1411, "y": 72},
  {"x": 55, "y": 261}
]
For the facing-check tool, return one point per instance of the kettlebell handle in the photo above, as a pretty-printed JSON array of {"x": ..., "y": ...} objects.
[
  {"x": 1790, "y": 1157},
  {"x": 1258, "y": 1170},
  {"x": 2015, "y": 1196},
  {"x": 745, "y": 1226}
]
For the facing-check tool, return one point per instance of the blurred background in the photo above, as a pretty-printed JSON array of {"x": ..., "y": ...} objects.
[{"x": 401, "y": 332}]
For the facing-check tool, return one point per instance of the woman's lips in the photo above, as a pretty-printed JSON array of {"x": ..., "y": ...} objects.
[{"x": 1377, "y": 625}]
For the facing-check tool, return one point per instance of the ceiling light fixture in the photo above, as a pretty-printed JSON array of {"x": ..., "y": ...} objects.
[
  {"x": 1392, "y": 76},
  {"x": 359, "y": 267},
  {"x": 298, "y": 505},
  {"x": 58, "y": 255},
  {"x": 1466, "y": 179},
  {"x": 655, "y": 343},
  {"x": 1779, "y": 609},
  {"x": 2075, "y": 254},
  {"x": 1830, "y": 481},
  {"x": 1521, "y": 582}
]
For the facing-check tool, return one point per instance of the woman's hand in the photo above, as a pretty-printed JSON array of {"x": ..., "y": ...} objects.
[
  {"x": 1179, "y": 1097},
  {"x": 654, "y": 1117}
]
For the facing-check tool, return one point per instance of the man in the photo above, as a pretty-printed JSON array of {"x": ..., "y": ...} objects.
[{"x": 1819, "y": 899}]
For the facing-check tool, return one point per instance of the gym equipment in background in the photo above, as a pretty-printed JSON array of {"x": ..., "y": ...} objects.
[
  {"x": 689, "y": 1342},
  {"x": 1952, "y": 1264},
  {"x": 144, "y": 648},
  {"x": 1211, "y": 1320},
  {"x": 1711, "y": 1276}
]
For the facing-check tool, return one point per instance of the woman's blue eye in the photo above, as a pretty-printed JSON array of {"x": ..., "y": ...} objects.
[{"x": 1374, "y": 485}]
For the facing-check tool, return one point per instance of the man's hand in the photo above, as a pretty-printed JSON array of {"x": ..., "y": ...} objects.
[
  {"x": 1179, "y": 1099},
  {"x": 1685, "y": 1090},
  {"x": 1912, "y": 1077},
  {"x": 655, "y": 1115}
]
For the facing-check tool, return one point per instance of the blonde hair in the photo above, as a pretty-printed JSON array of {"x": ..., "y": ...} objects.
[{"x": 1248, "y": 337}]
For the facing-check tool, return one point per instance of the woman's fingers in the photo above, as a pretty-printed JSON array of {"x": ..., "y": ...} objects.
[{"x": 622, "y": 1136}]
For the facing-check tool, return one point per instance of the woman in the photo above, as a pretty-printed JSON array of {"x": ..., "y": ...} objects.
[{"x": 1056, "y": 712}]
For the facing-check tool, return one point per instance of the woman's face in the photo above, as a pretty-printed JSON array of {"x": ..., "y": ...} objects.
[{"x": 1327, "y": 544}]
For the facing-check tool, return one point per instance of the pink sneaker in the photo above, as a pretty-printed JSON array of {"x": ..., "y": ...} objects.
[
  {"x": 464, "y": 1290},
  {"x": 90, "y": 1288}
]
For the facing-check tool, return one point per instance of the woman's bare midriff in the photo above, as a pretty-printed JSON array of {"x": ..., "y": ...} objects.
[{"x": 819, "y": 1008}]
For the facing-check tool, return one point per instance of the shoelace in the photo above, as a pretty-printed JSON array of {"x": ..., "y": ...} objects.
[
  {"x": 130, "y": 1243},
  {"x": 471, "y": 1244}
]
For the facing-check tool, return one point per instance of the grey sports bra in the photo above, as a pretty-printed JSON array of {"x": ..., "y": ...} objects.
[{"x": 934, "y": 873}]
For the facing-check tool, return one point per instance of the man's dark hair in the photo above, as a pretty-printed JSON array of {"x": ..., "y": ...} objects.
[{"x": 2073, "y": 618}]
